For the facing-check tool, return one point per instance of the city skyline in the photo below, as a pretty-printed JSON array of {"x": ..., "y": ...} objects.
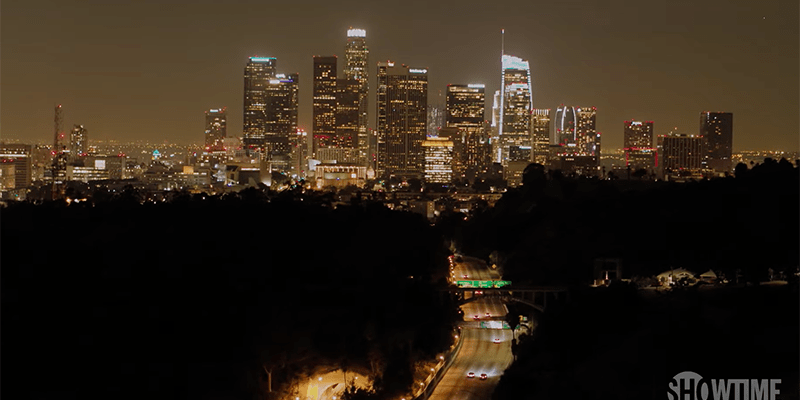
[{"x": 683, "y": 74}]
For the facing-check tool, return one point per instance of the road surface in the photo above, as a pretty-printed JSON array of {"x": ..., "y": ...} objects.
[{"x": 479, "y": 353}]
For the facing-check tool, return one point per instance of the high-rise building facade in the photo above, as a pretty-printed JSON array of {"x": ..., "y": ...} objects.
[
  {"x": 466, "y": 106},
  {"x": 438, "y": 160},
  {"x": 516, "y": 104},
  {"x": 15, "y": 166},
  {"x": 356, "y": 58},
  {"x": 540, "y": 131},
  {"x": 566, "y": 121},
  {"x": 578, "y": 140},
  {"x": 402, "y": 103},
  {"x": 494, "y": 130},
  {"x": 717, "y": 128},
  {"x": 682, "y": 154},
  {"x": 257, "y": 74},
  {"x": 324, "y": 109},
  {"x": 638, "y": 140},
  {"x": 216, "y": 129},
  {"x": 347, "y": 115},
  {"x": 78, "y": 143},
  {"x": 270, "y": 112}
]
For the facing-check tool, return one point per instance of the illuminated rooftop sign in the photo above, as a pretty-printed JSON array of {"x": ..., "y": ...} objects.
[
  {"x": 476, "y": 85},
  {"x": 274, "y": 81},
  {"x": 280, "y": 76},
  {"x": 636, "y": 123},
  {"x": 356, "y": 33},
  {"x": 262, "y": 59},
  {"x": 418, "y": 71},
  {"x": 214, "y": 110},
  {"x": 511, "y": 62}
]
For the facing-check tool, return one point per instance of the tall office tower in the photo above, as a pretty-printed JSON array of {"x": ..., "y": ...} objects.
[
  {"x": 682, "y": 154},
  {"x": 281, "y": 127},
  {"x": 402, "y": 102},
  {"x": 540, "y": 129},
  {"x": 576, "y": 132},
  {"x": 566, "y": 121},
  {"x": 577, "y": 139},
  {"x": 356, "y": 55},
  {"x": 324, "y": 112},
  {"x": 438, "y": 160},
  {"x": 586, "y": 137},
  {"x": 436, "y": 117},
  {"x": 638, "y": 140},
  {"x": 16, "y": 169},
  {"x": 516, "y": 103},
  {"x": 216, "y": 129},
  {"x": 348, "y": 99},
  {"x": 495, "y": 148},
  {"x": 257, "y": 75},
  {"x": 300, "y": 154},
  {"x": 717, "y": 128},
  {"x": 78, "y": 143},
  {"x": 466, "y": 106}
]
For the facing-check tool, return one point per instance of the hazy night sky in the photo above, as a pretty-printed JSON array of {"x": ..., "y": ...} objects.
[{"x": 146, "y": 70}]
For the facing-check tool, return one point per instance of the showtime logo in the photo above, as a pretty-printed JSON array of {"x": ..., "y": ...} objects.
[{"x": 689, "y": 385}]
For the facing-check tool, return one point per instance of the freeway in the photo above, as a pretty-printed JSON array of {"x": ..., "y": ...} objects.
[
  {"x": 474, "y": 269},
  {"x": 484, "y": 351}
]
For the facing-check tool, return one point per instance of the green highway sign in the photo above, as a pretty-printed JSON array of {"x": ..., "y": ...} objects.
[{"x": 482, "y": 284}]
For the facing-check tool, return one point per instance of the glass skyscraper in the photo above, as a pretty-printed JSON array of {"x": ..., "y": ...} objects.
[
  {"x": 402, "y": 105},
  {"x": 216, "y": 129},
  {"x": 717, "y": 128},
  {"x": 356, "y": 56},
  {"x": 466, "y": 106},
  {"x": 516, "y": 104},
  {"x": 270, "y": 111}
]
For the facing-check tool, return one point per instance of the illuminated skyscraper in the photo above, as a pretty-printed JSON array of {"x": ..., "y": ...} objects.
[
  {"x": 324, "y": 111},
  {"x": 270, "y": 112},
  {"x": 566, "y": 120},
  {"x": 438, "y": 160},
  {"x": 347, "y": 114},
  {"x": 540, "y": 131},
  {"x": 682, "y": 155},
  {"x": 577, "y": 139},
  {"x": 78, "y": 143},
  {"x": 257, "y": 74},
  {"x": 639, "y": 149},
  {"x": 356, "y": 56},
  {"x": 516, "y": 104},
  {"x": 717, "y": 128},
  {"x": 402, "y": 102},
  {"x": 586, "y": 137},
  {"x": 496, "y": 149},
  {"x": 466, "y": 106},
  {"x": 216, "y": 129},
  {"x": 281, "y": 124}
]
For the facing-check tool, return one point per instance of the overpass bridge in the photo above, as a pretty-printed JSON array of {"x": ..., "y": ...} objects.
[{"x": 534, "y": 296}]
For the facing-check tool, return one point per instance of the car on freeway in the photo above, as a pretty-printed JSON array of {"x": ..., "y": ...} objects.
[
  {"x": 476, "y": 317},
  {"x": 471, "y": 375},
  {"x": 488, "y": 315},
  {"x": 496, "y": 340},
  {"x": 466, "y": 276},
  {"x": 483, "y": 376},
  {"x": 478, "y": 292}
]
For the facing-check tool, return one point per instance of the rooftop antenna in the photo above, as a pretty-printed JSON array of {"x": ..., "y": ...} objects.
[{"x": 502, "y": 43}]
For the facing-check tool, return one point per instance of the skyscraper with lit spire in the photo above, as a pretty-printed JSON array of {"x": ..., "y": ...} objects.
[
  {"x": 516, "y": 104},
  {"x": 356, "y": 56}
]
